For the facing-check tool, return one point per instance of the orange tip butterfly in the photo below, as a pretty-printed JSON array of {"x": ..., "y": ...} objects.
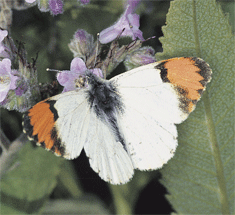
[{"x": 125, "y": 123}]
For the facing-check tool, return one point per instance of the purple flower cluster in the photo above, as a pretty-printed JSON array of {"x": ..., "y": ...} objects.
[
  {"x": 8, "y": 77},
  {"x": 17, "y": 86},
  {"x": 83, "y": 47},
  {"x": 21, "y": 85},
  {"x": 54, "y": 6}
]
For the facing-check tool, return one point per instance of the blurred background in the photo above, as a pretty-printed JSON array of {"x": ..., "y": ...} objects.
[{"x": 49, "y": 36}]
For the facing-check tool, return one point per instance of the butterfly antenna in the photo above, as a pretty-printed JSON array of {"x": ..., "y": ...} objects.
[
  {"x": 97, "y": 49},
  {"x": 52, "y": 70},
  {"x": 149, "y": 38}
]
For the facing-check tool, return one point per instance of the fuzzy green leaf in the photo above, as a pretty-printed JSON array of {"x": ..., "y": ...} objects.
[
  {"x": 25, "y": 188},
  {"x": 200, "y": 178},
  {"x": 86, "y": 204}
]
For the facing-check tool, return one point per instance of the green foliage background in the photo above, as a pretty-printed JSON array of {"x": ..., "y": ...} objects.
[{"x": 199, "y": 179}]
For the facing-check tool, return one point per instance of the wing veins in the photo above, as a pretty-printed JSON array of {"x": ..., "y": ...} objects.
[{"x": 153, "y": 119}]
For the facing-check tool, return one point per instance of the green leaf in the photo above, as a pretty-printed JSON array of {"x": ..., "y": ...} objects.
[
  {"x": 200, "y": 178},
  {"x": 125, "y": 196},
  {"x": 69, "y": 181},
  {"x": 86, "y": 204},
  {"x": 25, "y": 188}
]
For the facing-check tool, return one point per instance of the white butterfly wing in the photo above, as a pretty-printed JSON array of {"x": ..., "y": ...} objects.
[
  {"x": 144, "y": 89},
  {"x": 151, "y": 143},
  {"x": 151, "y": 108},
  {"x": 155, "y": 97},
  {"x": 107, "y": 156},
  {"x": 73, "y": 121},
  {"x": 78, "y": 127}
]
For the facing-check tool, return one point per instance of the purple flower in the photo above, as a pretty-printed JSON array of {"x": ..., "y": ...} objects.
[
  {"x": 3, "y": 48},
  {"x": 56, "y": 6},
  {"x": 7, "y": 78},
  {"x": 7, "y": 46},
  {"x": 129, "y": 22},
  {"x": 82, "y": 44},
  {"x": 133, "y": 4},
  {"x": 75, "y": 78},
  {"x": 21, "y": 89},
  {"x": 3, "y": 34},
  {"x": 142, "y": 56}
]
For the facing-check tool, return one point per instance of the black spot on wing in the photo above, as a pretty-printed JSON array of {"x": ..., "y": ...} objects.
[
  {"x": 200, "y": 91},
  {"x": 163, "y": 72},
  {"x": 42, "y": 144},
  {"x": 205, "y": 70},
  {"x": 181, "y": 91},
  {"x": 184, "y": 100},
  {"x": 184, "y": 103},
  {"x": 28, "y": 128},
  {"x": 57, "y": 142},
  {"x": 52, "y": 108}
]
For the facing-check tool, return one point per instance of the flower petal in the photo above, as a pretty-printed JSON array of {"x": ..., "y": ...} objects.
[
  {"x": 13, "y": 82},
  {"x": 63, "y": 77},
  {"x": 7, "y": 79},
  {"x": 78, "y": 64},
  {"x": 129, "y": 22},
  {"x": 70, "y": 79},
  {"x": 3, "y": 95},
  {"x": 98, "y": 72},
  {"x": 5, "y": 67},
  {"x": 56, "y": 6},
  {"x": 109, "y": 34},
  {"x": 3, "y": 34}
]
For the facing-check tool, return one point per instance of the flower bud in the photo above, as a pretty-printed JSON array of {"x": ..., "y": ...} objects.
[{"x": 140, "y": 57}]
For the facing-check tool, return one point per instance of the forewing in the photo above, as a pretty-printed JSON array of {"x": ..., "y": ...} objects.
[
  {"x": 144, "y": 89},
  {"x": 60, "y": 123},
  {"x": 150, "y": 109},
  {"x": 72, "y": 124},
  {"x": 156, "y": 97},
  {"x": 167, "y": 90}
]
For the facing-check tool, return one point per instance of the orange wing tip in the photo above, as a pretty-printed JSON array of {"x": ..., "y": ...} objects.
[
  {"x": 38, "y": 123},
  {"x": 189, "y": 76}
]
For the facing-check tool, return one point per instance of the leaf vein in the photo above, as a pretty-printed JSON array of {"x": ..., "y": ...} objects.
[
  {"x": 228, "y": 159},
  {"x": 227, "y": 142},
  {"x": 197, "y": 167},
  {"x": 224, "y": 114},
  {"x": 194, "y": 147}
]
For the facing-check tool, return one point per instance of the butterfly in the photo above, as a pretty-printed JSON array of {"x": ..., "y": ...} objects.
[{"x": 125, "y": 123}]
